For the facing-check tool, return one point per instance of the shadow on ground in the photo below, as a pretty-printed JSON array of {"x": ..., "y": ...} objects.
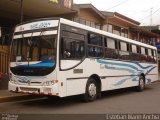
[{"x": 56, "y": 102}]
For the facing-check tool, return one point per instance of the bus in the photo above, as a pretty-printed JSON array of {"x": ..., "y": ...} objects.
[{"x": 59, "y": 57}]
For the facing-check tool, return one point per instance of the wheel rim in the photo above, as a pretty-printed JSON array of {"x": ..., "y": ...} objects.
[
  {"x": 92, "y": 90},
  {"x": 141, "y": 83}
]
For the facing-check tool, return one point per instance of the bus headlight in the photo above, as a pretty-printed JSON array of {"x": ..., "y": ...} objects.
[
  {"x": 13, "y": 81},
  {"x": 49, "y": 83}
]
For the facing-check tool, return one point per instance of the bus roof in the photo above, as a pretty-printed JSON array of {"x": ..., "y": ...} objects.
[
  {"x": 84, "y": 27},
  {"x": 81, "y": 26}
]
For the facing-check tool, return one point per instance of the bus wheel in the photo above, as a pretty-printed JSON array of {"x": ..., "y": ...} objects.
[
  {"x": 141, "y": 85},
  {"x": 91, "y": 90}
]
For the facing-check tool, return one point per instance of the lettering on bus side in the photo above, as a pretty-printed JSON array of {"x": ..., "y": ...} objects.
[{"x": 102, "y": 66}]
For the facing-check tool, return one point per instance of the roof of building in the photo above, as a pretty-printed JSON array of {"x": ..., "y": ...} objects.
[
  {"x": 155, "y": 29},
  {"x": 32, "y": 9},
  {"x": 144, "y": 31},
  {"x": 90, "y": 6},
  {"x": 120, "y": 16}
]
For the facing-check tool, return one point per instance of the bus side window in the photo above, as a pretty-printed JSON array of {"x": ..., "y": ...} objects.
[
  {"x": 124, "y": 51},
  {"x": 95, "y": 45},
  {"x": 150, "y": 56},
  {"x": 143, "y": 56},
  {"x": 134, "y": 53},
  {"x": 153, "y": 56},
  {"x": 72, "y": 49},
  {"x": 111, "y": 48}
]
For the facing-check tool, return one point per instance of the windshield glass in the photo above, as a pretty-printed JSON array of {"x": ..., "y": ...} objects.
[{"x": 34, "y": 55}]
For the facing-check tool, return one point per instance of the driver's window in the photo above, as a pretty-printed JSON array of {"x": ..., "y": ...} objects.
[{"x": 72, "y": 49}]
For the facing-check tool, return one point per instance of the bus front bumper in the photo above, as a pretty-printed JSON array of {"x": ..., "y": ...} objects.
[{"x": 43, "y": 90}]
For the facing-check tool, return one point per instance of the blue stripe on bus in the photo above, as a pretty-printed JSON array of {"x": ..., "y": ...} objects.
[
  {"x": 133, "y": 72},
  {"x": 42, "y": 64}
]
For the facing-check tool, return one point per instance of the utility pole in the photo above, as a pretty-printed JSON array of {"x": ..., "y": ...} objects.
[
  {"x": 151, "y": 20},
  {"x": 21, "y": 11}
]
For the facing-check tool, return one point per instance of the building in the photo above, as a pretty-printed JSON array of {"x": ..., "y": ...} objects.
[{"x": 87, "y": 14}]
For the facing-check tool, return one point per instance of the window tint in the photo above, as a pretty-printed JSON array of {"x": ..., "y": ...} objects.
[
  {"x": 95, "y": 47},
  {"x": 150, "y": 57},
  {"x": 95, "y": 39},
  {"x": 146, "y": 55},
  {"x": 111, "y": 53},
  {"x": 111, "y": 48},
  {"x": 95, "y": 51},
  {"x": 134, "y": 55},
  {"x": 124, "y": 51},
  {"x": 146, "y": 51},
  {"x": 73, "y": 35},
  {"x": 72, "y": 49}
]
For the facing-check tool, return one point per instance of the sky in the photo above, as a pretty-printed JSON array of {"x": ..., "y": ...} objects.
[{"x": 147, "y": 12}]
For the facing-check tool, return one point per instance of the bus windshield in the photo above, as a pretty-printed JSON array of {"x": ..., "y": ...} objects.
[{"x": 34, "y": 55}]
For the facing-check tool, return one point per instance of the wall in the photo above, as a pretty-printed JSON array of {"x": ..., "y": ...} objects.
[
  {"x": 4, "y": 59},
  {"x": 90, "y": 15}
]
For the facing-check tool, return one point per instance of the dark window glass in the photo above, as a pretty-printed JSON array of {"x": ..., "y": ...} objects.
[
  {"x": 72, "y": 35},
  {"x": 146, "y": 51},
  {"x": 95, "y": 39},
  {"x": 72, "y": 49},
  {"x": 138, "y": 49},
  {"x": 111, "y": 48},
  {"x": 134, "y": 55},
  {"x": 94, "y": 51},
  {"x": 143, "y": 55},
  {"x": 111, "y": 53}
]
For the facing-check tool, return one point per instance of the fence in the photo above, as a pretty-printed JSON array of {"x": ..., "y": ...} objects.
[{"x": 4, "y": 59}]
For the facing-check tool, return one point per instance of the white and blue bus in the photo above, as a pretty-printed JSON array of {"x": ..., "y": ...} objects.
[{"x": 59, "y": 57}]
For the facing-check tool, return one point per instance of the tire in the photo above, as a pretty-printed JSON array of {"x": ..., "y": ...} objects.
[
  {"x": 91, "y": 91},
  {"x": 141, "y": 85}
]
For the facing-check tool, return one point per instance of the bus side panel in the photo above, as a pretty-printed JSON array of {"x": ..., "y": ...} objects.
[{"x": 113, "y": 74}]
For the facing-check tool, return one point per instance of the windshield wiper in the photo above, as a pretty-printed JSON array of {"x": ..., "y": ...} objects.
[{"x": 30, "y": 44}]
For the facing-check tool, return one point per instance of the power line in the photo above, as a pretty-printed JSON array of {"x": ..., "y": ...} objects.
[
  {"x": 118, "y": 4},
  {"x": 150, "y": 15}
]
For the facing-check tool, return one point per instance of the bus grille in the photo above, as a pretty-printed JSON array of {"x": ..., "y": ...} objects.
[{"x": 29, "y": 89}]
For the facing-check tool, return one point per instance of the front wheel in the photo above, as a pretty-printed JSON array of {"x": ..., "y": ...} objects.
[
  {"x": 141, "y": 85},
  {"x": 91, "y": 90}
]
